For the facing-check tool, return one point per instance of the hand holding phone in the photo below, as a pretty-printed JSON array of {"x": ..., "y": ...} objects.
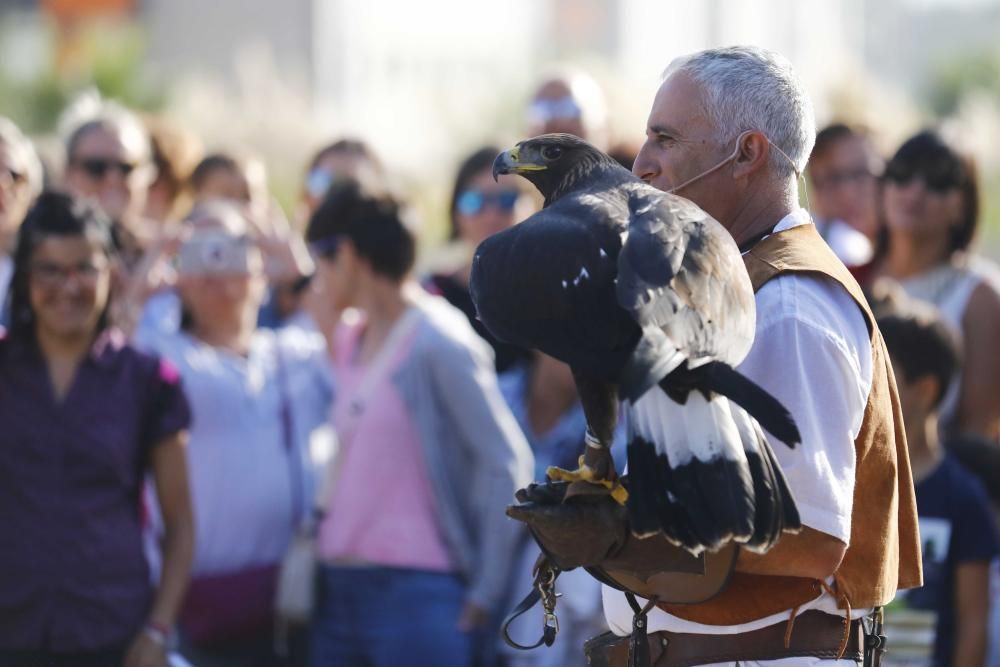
[{"x": 214, "y": 253}]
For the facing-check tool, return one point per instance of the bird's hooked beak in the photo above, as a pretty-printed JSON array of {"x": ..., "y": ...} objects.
[{"x": 509, "y": 162}]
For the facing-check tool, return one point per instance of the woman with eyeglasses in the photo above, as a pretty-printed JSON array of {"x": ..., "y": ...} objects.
[
  {"x": 260, "y": 405},
  {"x": 84, "y": 417},
  {"x": 931, "y": 206},
  {"x": 843, "y": 171},
  {"x": 480, "y": 207}
]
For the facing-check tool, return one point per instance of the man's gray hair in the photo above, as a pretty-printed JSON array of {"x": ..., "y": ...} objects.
[
  {"x": 750, "y": 88},
  {"x": 23, "y": 155},
  {"x": 91, "y": 114}
]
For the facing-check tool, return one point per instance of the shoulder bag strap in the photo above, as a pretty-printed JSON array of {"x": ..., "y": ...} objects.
[
  {"x": 294, "y": 459},
  {"x": 373, "y": 374}
]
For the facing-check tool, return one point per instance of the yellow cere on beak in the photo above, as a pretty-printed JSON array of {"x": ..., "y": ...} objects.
[{"x": 519, "y": 167}]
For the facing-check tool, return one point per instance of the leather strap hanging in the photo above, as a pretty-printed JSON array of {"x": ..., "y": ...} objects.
[{"x": 543, "y": 589}]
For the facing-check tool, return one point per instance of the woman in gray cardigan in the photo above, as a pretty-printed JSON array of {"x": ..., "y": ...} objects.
[{"x": 415, "y": 546}]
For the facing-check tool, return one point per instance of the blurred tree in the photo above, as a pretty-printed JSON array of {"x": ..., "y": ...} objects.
[
  {"x": 107, "y": 56},
  {"x": 952, "y": 79}
]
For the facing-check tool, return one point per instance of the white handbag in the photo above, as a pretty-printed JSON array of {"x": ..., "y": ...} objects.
[{"x": 295, "y": 598}]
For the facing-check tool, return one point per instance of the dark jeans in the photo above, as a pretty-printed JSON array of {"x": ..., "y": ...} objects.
[
  {"x": 384, "y": 617},
  {"x": 106, "y": 658},
  {"x": 252, "y": 653}
]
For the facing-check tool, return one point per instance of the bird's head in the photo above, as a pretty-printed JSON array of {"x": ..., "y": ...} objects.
[{"x": 555, "y": 163}]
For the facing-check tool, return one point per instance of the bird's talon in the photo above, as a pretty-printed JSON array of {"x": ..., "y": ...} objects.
[
  {"x": 586, "y": 474},
  {"x": 581, "y": 474}
]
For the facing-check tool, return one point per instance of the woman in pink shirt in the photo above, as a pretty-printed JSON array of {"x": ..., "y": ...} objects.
[{"x": 415, "y": 547}]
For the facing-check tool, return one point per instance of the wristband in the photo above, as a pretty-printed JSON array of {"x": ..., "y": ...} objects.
[{"x": 157, "y": 633}]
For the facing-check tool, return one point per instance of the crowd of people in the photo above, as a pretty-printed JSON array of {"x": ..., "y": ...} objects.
[{"x": 192, "y": 386}]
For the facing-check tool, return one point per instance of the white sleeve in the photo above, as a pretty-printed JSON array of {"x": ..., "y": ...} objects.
[{"x": 813, "y": 354}]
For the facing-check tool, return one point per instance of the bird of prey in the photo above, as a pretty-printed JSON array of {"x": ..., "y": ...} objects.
[{"x": 645, "y": 296}]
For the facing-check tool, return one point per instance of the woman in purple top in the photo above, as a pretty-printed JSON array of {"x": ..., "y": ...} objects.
[{"x": 83, "y": 418}]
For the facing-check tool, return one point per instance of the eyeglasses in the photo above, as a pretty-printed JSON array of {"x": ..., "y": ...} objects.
[
  {"x": 841, "y": 177},
  {"x": 472, "y": 202},
  {"x": 53, "y": 276},
  {"x": 937, "y": 178},
  {"x": 98, "y": 167}
]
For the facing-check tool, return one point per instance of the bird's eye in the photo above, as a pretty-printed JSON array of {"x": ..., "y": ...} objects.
[{"x": 551, "y": 152}]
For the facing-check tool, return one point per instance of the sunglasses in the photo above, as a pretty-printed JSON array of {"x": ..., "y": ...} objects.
[
  {"x": 472, "y": 202},
  {"x": 318, "y": 182},
  {"x": 98, "y": 167},
  {"x": 938, "y": 179},
  {"x": 326, "y": 248},
  {"x": 545, "y": 110}
]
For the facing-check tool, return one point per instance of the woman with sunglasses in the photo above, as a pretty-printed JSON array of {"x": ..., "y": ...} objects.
[
  {"x": 260, "y": 405},
  {"x": 480, "y": 207},
  {"x": 291, "y": 302},
  {"x": 83, "y": 418},
  {"x": 931, "y": 206},
  {"x": 415, "y": 548}
]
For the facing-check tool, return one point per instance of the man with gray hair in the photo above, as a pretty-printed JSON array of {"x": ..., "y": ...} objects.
[
  {"x": 109, "y": 160},
  {"x": 20, "y": 183},
  {"x": 731, "y": 130}
]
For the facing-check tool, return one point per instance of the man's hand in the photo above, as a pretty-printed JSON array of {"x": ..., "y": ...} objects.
[{"x": 580, "y": 532}]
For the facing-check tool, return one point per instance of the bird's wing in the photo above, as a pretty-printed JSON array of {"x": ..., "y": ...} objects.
[
  {"x": 703, "y": 474},
  {"x": 681, "y": 272},
  {"x": 548, "y": 283}
]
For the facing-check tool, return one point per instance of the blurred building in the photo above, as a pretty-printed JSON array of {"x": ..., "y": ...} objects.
[
  {"x": 427, "y": 80},
  {"x": 398, "y": 68}
]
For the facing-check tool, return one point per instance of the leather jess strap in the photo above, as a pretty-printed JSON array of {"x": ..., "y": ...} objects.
[{"x": 814, "y": 634}]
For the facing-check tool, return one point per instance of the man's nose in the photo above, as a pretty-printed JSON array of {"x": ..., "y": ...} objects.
[
  {"x": 114, "y": 177},
  {"x": 644, "y": 167}
]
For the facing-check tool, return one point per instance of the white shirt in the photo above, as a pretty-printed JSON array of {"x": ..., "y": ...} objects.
[
  {"x": 241, "y": 484},
  {"x": 851, "y": 246},
  {"x": 812, "y": 352},
  {"x": 949, "y": 287}
]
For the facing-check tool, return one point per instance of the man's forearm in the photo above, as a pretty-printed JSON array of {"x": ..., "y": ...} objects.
[{"x": 808, "y": 553}]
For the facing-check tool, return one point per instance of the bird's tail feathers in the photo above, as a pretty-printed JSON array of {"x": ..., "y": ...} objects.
[
  {"x": 721, "y": 378},
  {"x": 703, "y": 475}
]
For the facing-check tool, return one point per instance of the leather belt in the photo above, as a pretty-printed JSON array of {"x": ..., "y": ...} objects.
[{"x": 814, "y": 634}]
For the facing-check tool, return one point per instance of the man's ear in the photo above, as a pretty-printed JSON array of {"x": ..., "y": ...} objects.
[{"x": 751, "y": 154}]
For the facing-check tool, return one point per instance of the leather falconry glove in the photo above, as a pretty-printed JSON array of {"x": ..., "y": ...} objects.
[{"x": 581, "y": 531}]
